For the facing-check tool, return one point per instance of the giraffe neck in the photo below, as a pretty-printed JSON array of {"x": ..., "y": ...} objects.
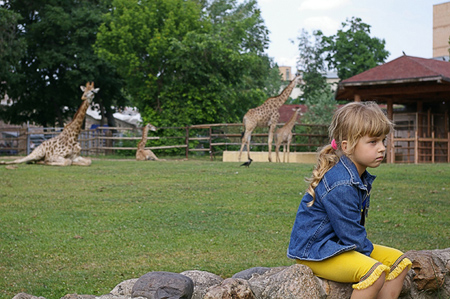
[
  {"x": 143, "y": 141},
  {"x": 74, "y": 127},
  {"x": 291, "y": 122},
  {"x": 284, "y": 95}
]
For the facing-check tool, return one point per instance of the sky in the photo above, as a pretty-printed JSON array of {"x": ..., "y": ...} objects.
[{"x": 405, "y": 25}]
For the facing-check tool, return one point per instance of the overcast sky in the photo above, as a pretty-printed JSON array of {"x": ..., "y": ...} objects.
[{"x": 405, "y": 25}]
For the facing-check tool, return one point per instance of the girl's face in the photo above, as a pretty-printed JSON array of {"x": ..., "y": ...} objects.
[{"x": 368, "y": 152}]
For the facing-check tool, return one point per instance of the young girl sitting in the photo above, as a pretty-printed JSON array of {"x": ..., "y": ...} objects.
[{"x": 328, "y": 233}]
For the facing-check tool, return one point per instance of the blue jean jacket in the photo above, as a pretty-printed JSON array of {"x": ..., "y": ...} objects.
[{"x": 332, "y": 225}]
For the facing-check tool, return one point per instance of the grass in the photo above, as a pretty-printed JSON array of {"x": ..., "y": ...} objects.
[{"x": 85, "y": 229}]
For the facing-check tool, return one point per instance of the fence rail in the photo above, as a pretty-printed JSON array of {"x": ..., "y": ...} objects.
[
  {"x": 198, "y": 139},
  {"x": 418, "y": 149},
  {"x": 213, "y": 139}
]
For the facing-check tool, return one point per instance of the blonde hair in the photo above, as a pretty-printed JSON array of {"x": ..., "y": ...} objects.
[{"x": 350, "y": 122}]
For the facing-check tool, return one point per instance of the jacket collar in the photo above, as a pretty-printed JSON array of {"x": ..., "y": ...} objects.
[{"x": 365, "y": 181}]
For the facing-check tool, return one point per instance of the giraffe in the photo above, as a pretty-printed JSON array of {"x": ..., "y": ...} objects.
[
  {"x": 284, "y": 135},
  {"x": 142, "y": 154},
  {"x": 266, "y": 115},
  {"x": 64, "y": 149}
]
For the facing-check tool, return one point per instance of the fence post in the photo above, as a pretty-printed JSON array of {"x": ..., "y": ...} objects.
[
  {"x": 187, "y": 142},
  {"x": 416, "y": 147},
  {"x": 432, "y": 147},
  {"x": 391, "y": 149},
  {"x": 448, "y": 147},
  {"x": 28, "y": 140},
  {"x": 210, "y": 146}
]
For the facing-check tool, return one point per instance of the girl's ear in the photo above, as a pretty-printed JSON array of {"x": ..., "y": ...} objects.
[{"x": 344, "y": 145}]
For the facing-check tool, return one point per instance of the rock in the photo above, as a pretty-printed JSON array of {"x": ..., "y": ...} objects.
[
  {"x": 76, "y": 296},
  {"x": 124, "y": 288},
  {"x": 163, "y": 285},
  {"x": 336, "y": 290},
  {"x": 247, "y": 274},
  {"x": 296, "y": 281},
  {"x": 26, "y": 296},
  {"x": 230, "y": 288},
  {"x": 429, "y": 276},
  {"x": 202, "y": 281}
]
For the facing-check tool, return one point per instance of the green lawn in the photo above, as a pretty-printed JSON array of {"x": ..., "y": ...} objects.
[{"x": 85, "y": 229}]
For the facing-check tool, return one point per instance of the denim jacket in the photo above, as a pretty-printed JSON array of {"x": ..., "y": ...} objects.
[{"x": 332, "y": 225}]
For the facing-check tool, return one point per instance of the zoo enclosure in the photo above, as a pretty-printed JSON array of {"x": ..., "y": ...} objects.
[
  {"x": 208, "y": 139},
  {"x": 409, "y": 143}
]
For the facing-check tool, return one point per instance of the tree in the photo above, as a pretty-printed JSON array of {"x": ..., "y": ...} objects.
[
  {"x": 188, "y": 62},
  {"x": 317, "y": 93},
  {"x": 312, "y": 64},
  {"x": 59, "y": 58},
  {"x": 12, "y": 47},
  {"x": 352, "y": 51}
]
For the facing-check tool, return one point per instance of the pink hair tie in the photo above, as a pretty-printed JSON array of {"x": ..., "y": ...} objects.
[{"x": 334, "y": 144}]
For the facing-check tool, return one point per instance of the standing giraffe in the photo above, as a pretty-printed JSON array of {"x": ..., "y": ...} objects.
[
  {"x": 266, "y": 115},
  {"x": 142, "y": 154},
  {"x": 64, "y": 149},
  {"x": 284, "y": 135}
]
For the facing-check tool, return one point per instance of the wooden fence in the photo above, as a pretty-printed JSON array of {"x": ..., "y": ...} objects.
[
  {"x": 415, "y": 149},
  {"x": 210, "y": 139}
]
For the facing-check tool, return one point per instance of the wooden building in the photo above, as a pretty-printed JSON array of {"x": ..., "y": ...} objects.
[{"x": 416, "y": 92}]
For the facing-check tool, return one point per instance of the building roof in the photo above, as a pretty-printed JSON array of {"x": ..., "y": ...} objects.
[
  {"x": 406, "y": 78},
  {"x": 404, "y": 68},
  {"x": 286, "y": 112}
]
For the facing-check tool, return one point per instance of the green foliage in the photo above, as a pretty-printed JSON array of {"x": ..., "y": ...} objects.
[
  {"x": 185, "y": 63},
  {"x": 85, "y": 229},
  {"x": 59, "y": 58},
  {"x": 352, "y": 51},
  {"x": 321, "y": 108},
  {"x": 12, "y": 47},
  {"x": 317, "y": 93}
]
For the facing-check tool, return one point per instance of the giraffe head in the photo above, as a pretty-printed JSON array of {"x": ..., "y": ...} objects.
[
  {"x": 297, "y": 110},
  {"x": 89, "y": 92},
  {"x": 151, "y": 127},
  {"x": 298, "y": 77}
]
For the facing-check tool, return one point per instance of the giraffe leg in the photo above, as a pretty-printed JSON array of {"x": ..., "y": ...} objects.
[
  {"x": 271, "y": 130},
  {"x": 277, "y": 151},
  {"x": 58, "y": 161},
  {"x": 246, "y": 141},
  {"x": 288, "y": 150},
  {"x": 80, "y": 161}
]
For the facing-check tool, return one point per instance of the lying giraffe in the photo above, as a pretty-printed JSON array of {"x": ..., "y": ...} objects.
[
  {"x": 283, "y": 136},
  {"x": 143, "y": 154},
  {"x": 266, "y": 115},
  {"x": 64, "y": 149}
]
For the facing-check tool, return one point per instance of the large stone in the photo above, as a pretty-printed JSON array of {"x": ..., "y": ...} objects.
[
  {"x": 296, "y": 281},
  {"x": 336, "y": 290},
  {"x": 247, "y": 274},
  {"x": 124, "y": 288},
  {"x": 76, "y": 296},
  {"x": 163, "y": 285},
  {"x": 429, "y": 276},
  {"x": 230, "y": 288},
  {"x": 202, "y": 281},
  {"x": 26, "y": 296}
]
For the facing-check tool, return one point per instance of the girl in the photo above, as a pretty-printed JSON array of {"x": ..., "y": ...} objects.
[{"x": 328, "y": 233}]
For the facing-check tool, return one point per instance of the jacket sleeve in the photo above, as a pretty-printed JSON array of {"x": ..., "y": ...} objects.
[{"x": 342, "y": 205}]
